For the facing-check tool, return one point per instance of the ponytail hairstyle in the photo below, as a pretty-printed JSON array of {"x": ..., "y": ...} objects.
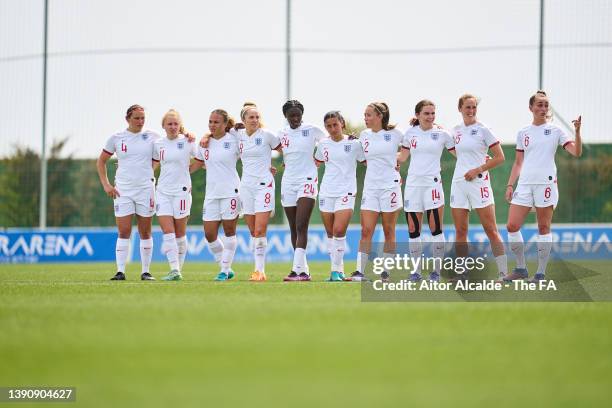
[
  {"x": 174, "y": 113},
  {"x": 418, "y": 108},
  {"x": 540, "y": 93},
  {"x": 131, "y": 110},
  {"x": 227, "y": 119},
  {"x": 383, "y": 110},
  {"x": 464, "y": 98},
  {"x": 292, "y": 104}
]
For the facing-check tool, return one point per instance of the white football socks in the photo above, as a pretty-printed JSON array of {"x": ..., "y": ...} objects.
[
  {"x": 502, "y": 264},
  {"x": 438, "y": 245},
  {"x": 259, "y": 252},
  {"x": 544, "y": 247},
  {"x": 182, "y": 250},
  {"x": 216, "y": 249},
  {"x": 170, "y": 249},
  {"x": 229, "y": 250},
  {"x": 121, "y": 253},
  {"x": 337, "y": 254},
  {"x": 146, "y": 253},
  {"x": 415, "y": 247},
  {"x": 362, "y": 259},
  {"x": 517, "y": 246},
  {"x": 299, "y": 260}
]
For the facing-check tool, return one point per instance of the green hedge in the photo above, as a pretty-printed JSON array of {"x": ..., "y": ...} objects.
[{"x": 77, "y": 199}]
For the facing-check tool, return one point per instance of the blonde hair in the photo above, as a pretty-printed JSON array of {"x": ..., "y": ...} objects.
[
  {"x": 464, "y": 98},
  {"x": 246, "y": 107},
  {"x": 227, "y": 119},
  {"x": 174, "y": 113}
]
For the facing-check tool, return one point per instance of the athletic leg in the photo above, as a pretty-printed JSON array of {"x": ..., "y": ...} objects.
[
  {"x": 146, "y": 244},
  {"x": 544, "y": 217},
  {"x": 489, "y": 224},
  {"x": 516, "y": 218}
]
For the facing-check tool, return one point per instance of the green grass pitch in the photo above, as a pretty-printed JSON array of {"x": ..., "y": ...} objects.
[{"x": 199, "y": 343}]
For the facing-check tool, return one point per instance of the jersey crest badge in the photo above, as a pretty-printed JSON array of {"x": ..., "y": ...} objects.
[
  {"x": 145, "y": 136},
  {"x": 226, "y": 145},
  {"x": 435, "y": 136},
  {"x": 258, "y": 141},
  {"x": 547, "y": 132},
  {"x": 473, "y": 132},
  {"x": 387, "y": 137},
  {"x": 180, "y": 145},
  {"x": 347, "y": 148},
  {"x": 305, "y": 132}
]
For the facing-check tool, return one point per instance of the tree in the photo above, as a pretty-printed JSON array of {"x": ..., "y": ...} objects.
[{"x": 20, "y": 188}]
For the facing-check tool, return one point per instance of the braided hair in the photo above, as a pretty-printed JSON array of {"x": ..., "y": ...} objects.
[{"x": 292, "y": 104}]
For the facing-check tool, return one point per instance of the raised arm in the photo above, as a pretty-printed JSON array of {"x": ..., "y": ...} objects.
[{"x": 575, "y": 148}]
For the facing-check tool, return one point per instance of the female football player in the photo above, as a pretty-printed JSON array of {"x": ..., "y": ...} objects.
[
  {"x": 299, "y": 185},
  {"x": 221, "y": 203},
  {"x": 471, "y": 185},
  {"x": 173, "y": 195},
  {"x": 382, "y": 195},
  {"x": 134, "y": 189},
  {"x": 535, "y": 169},
  {"x": 255, "y": 145},
  {"x": 423, "y": 192},
  {"x": 340, "y": 155}
]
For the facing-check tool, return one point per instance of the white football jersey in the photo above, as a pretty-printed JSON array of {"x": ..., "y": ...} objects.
[
  {"x": 220, "y": 158},
  {"x": 256, "y": 155},
  {"x": 540, "y": 144},
  {"x": 426, "y": 147},
  {"x": 134, "y": 156},
  {"x": 174, "y": 156},
  {"x": 380, "y": 151},
  {"x": 471, "y": 145},
  {"x": 298, "y": 147},
  {"x": 340, "y": 158}
]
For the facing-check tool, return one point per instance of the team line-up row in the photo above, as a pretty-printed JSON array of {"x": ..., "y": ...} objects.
[{"x": 381, "y": 147}]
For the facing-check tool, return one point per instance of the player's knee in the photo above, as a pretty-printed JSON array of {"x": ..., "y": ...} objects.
[
  {"x": 512, "y": 226},
  {"x": 229, "y": 230},
  {"x": 339, "y": 231},
  {"x": 301, "y": 226},
  {"x": 367, "y": 233},
  {"x": 461, "y": 233},
  {"x": 543, "y": 229},
  {"x": 436, "y": 231},
  {"x": 210, "y": 236},
  {"x": 259, "y": 232},
  {"x": 389, "y": 234},
  {"x": 491, "y": 231}
]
